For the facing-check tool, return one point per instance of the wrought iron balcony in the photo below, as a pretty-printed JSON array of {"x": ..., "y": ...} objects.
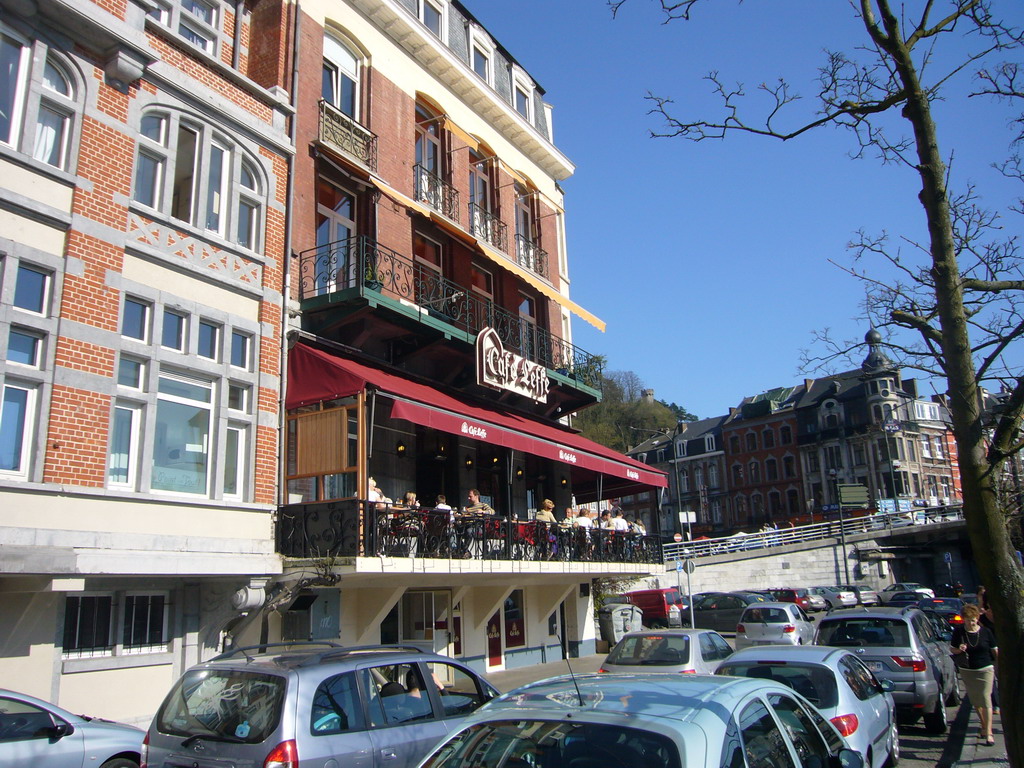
[
  {"x": 488, "y": 227},
  {"x": 531, "y": 256},
  {"x": 359, "y": 264},
  {"x": 436, "y": 192},
  {"x": 344, "y": 134},
  {"x": 354, "y": 528}
]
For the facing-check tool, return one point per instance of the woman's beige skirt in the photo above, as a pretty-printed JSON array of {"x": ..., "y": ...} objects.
[{"x": 978, "y": 683}]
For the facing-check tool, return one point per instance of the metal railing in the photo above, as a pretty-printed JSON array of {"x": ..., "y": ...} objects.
[
  {"x": 354, "y": 528},
  {"x": 488, "y": 227},
  {"x": 362, "y": 264},
  {"x": 344, "y": 134},
  {"x": 531, "y": 256},
  {"x": 881, "y": 522},
  {"x": 436, "y": 192}
]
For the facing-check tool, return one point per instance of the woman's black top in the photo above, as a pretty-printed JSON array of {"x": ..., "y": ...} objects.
[{"x": 979, "y": 646}]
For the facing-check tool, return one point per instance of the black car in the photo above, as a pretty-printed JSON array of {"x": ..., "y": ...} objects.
[
  {"x": 721, "y": 611},
  {"x": 949, "y": 608}
]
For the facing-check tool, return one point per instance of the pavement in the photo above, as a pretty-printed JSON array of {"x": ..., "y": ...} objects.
[{"x": 960, "y": 749}]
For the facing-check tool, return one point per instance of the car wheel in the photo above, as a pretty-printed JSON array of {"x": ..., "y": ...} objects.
[
  {"x": 120, "y": 762},
  {"x": 935, "y": 721},
  {"x": 954, "y": 696},
  {"x": 894, "y": 748},
  {"x": 828, "y": 605}
]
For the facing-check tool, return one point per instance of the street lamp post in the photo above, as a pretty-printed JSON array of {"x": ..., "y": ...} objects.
[
  {"x": 842, "y": 523},
  {"x": 891, "y": 427}
]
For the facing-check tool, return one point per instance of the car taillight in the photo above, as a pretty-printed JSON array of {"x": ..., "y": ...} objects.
[
  {"x": 602, "y": 670},
  {"x": 689, "y": 671},
  {"x": 789, "y": 628},
  {"x": 957, "y": 619},
  {"x": 284, "y": 755},
  {"x": 144, "y": 752},
  {"x": 917, "y": 665},
  {"x": 740, "y": 628},
  {"x": 845, "y": 724}
]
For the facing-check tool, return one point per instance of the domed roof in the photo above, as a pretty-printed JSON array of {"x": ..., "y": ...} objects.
[{"x": 876, "y": 361}]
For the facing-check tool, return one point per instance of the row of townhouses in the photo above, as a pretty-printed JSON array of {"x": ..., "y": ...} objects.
[
  {"x": 265, "y": 266},
  {"x": 779, "y": 456}
]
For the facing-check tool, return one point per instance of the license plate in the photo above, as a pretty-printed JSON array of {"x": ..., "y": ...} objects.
[{"x": 874, "y": 666}]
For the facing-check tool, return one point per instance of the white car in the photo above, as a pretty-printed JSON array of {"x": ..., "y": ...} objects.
[
  {"x": 774, "y": 624},
  {"x": 905, "y": 586},
  {"x": 839, "y": 684},
  {"x": 835, "y": 597},
  {"x": 646, "y": 721}
]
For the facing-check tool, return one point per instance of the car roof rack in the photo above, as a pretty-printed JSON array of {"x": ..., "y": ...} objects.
[
  {"x": 263, "y": 647},
  {"x": 342, "y": 652}
]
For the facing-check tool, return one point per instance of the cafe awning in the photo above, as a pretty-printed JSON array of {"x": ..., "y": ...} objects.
[{"x": 316, "y": 375}]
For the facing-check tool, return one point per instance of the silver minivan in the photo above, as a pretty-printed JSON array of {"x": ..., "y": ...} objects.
[{"x": 364, "y": 707}]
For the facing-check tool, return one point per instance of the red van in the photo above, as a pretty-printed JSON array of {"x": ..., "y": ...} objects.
[{"x": 660, "y": 607}]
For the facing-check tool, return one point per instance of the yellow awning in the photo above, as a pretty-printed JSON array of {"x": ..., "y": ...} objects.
[{"x": 398, "y": 197}]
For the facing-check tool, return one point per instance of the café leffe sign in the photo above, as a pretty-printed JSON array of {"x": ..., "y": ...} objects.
[{"x": 499, "y": 368}]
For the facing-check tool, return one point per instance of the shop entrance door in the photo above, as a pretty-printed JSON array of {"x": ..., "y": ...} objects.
[{"x": 426, "y": 620}]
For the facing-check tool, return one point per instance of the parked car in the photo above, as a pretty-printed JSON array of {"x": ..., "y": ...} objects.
[
  {"x": 721, "y": 611},
  {"x": 370, "y": 706},
  {"x": 674, "y": 650},
  {"x": 901, "y": 645},
  {"x": 774, "y": 624},
  {"x": 836, "y": 597},
  {"x": 37, "y": 734},
  {"x": 643, "y": 721},
  {"x": 904, "y": 586},
  {"x": 901, "y": 599},
  {"x": 865, "y": 595},
  {"x": 836, "y": 682},
  {"x": 949, "y": 608},
  {"x": 807, "y": 600},
  {"x": 660, "y": 607}
]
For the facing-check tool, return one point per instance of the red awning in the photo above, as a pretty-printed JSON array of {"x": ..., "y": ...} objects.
[{"x": 315, "y": 375}]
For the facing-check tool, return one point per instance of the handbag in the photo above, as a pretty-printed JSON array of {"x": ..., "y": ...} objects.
[{"x": 960, "y": 660}]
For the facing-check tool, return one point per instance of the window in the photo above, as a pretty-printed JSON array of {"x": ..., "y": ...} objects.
[
  {"x": 515, "y": 623},
  {"x": 751, "y": 441},
  {"x": 335, "y": 707},
  {"x": 684, "y": 481},
  {"x": 238, "y": 397},
  {"x": 522, "y": 102},
  {"x": 432, "y": 15},
  {"x": 800, "y": 727},
  {"x": 31, "y": 290},
  {"x": 181, "y": 450},
  {"x": 771, "y": 469},
  {"x": 197, "y": 21},
  {"x": 482, "y": 63},
  {"x": 135, "y": 320},
  {"x": 173, "y": 335},
  {"x": 23, "y": 347},
  {"x": 235, "y": 445},
  {"x": 340, "y": 82},
  {"x": 938, "y": 450},
  {"x": 785, "y": 435},
  {"x": 834, "y": 456},
  {"x": 755, "y": 472},
  {"x": 187, "y": 171},
  {"x": 709, "y": 443},
  {"x": 734, "y": 444},
  {"x": 788, "y": 466},
  {"x": 144, "y": 623},
  {"x": 87, "y": 625},
  {"x": 768, "y": 438},
  {"x": 209, "y": 340},
  {"x": 926, "y": 447},
  {"x": 37, "y": 109},
  {"x": 318, "y": 470},
  {"x": 122, "y": 464},
  {"x": 680, "y": 448},
  {"x": 17, "y": 422},
  {"x": 713, "y": 476},
  {"x": 130, "y": 373},
  {"x": 241, "y": 353}
]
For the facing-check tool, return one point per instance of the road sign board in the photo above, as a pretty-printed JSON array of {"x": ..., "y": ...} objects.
[
  {"x": 679, "y": 565},
  {"x": 689, "y": 566},
  {"x": 853, "y": 495},
  {"x": 677, "y": 537},
  {"x": 947, "y": 557}
]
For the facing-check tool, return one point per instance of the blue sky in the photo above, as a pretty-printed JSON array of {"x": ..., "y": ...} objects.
[{"x": 710, "y": 261}]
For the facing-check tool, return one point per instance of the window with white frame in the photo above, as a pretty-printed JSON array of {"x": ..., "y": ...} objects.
[
  {"x": 32, "y": 289},
  {"x": 17, "y": 426},
  {"x": 234, "y": 463},
  {"x": 709, "y": 443},
  {"x": 684, "y": 481},
  {"x": 181, "y": 448},
  {"x": 197, "y": 21},
  {"x": 926, "y": 447},
  {"x": 432, "y": 13},
  {"x": 340, "y": 80},
  {"x": 712, "y": 475},
  {"x": 241, "y": 350},
  {"x": 131, "y": 373},
  {"x": 937, "y": 449},
  {"x": 37, "y": 108},
  {"x": 680, "y": 448},
  {"x": 208, "y": 343},
  {"x": 522, "y": 97},
  {"x": 188, "y": 171},
  {"x": 174, "y": 332},
  {"x": 24, "y": 347},
  {"x": 481, "y": 56},
  {"x": 122, "y": 464}
]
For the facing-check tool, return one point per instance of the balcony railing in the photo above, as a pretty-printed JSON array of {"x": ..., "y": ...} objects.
[
  {"x": 531, "y": 256},
  {"x": 353, "y": 528},
  {"x": 488, "y": 227},
  {"x": 362, "y": 264},
  {"x": 436, "y": 192},
  {"x": 340, "y": 131}
]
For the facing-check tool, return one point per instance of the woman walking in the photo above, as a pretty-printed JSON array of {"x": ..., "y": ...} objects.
[{"x": 975, "y": 652}]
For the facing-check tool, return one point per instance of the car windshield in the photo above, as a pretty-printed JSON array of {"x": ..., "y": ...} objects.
[
  {"x": 766, "y": 615},
  {"x": 544, "y": 744},
  {"x": 815, "y": 683},
  {"x": 864, "y": 632},
  {"x": 223, "y": 705},
  {"x": 651, "y": 650}
]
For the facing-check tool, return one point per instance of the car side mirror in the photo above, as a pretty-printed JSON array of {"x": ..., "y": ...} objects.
[
  {"x": 60, "y": 730},
  {"x": 811, "y": 618},
  {"x": 849, "y": 758},
  {"x": 887, "y": 685}
]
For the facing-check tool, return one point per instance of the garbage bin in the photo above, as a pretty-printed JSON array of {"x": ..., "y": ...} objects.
[{"x": 617, "y": 619}]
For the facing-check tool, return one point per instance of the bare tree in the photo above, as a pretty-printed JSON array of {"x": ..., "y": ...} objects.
[{"x": 951, "y": 303}]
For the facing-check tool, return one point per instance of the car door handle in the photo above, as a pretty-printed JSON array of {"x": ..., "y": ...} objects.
[{"x": 388, "y": 754}]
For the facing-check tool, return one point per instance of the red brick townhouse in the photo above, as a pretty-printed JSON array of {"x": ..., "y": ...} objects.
[{"x": 144, "y": 159}]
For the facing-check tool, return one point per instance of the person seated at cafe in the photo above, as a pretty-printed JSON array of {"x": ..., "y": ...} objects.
[
  {"x": 636, "y": 526},
  {"x": 442, "y": 504},
  {"x": 374, "y": 493},
  {"x": 475, "y": 506},
  {"x": 606, "y": 520},
  {"x": 570, "y": 516},
  {"x": 546, "y": 512},
  {"x": 619, "y": 522},
  {"x": 409, "y": 501},
  {"x": 583, "y": 520}
]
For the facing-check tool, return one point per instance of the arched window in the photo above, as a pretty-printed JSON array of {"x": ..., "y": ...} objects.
[
  {"x": 754, "y": 470},
  {"x": 771, "y": 469},
  {"x": 37, "y": 109},
  {"x": 793, "y": 501},
  {"x": 713, "y": 476},
  {"x": 737, "y": 474},
  {"x": 785, "y": 435},
  {"x": 684, "y": 481},
  {"x": 751, "y": 441},
  {"x": 768, "y": 438},
  {"x": 190, "y": 172},
  {"x": 340, "y": 82}
]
